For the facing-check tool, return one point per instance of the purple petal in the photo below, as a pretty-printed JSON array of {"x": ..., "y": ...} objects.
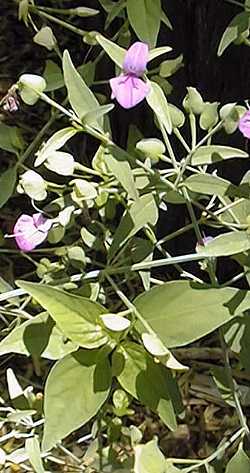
[
  {"x": 136, "y": 59},
  {"x": 28, "y": 232},
  {"x": 244, "y": 124},
  {"x": 129, "y": 90}
]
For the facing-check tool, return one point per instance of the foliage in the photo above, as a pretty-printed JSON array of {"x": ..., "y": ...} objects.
[{"x": 93, "y": 314}]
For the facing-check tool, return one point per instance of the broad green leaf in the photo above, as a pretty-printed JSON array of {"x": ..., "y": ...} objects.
[
  {"x": 213, "y": 153},
  {"x": 117, "y": 163},
  {"x": 149, "y": 459},
  {"x": 142, "y": 212},
  {"x": 54, "y": 143},
  {"x": 7, "y": 184},
  {"x": 172, "y": 310},
  {"x": 98, "y": 112},
  {"x": 75, "y": 390},
  {"x": 38, "y": 336},
  {"x": 227, "y": 244},
  {"x": 213, "y": 185},
  {"x": 156, "y": 52},
  {"x": 239, "y": 463},
  {"x": 77, "y": 317},
  {"x": 53, "y": 76},
  {"x": 238, "y": 26},
  {"x": 114, "y": 51},
  {"x": 137, "y": 372},
  {"x": 33, "y": 450},
  {"x": 81, "y": 98},
  {"x": 11, "y": 139},
  {"x": 158, "y": 102},
  {"x": 145, "y": 18}
]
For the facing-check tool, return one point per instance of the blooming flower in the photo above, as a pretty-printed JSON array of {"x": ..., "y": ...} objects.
[
  {"x": 129, "y": 88},
  {"x": 244, "y": 124},
  {"x": 31, "y": 231}
]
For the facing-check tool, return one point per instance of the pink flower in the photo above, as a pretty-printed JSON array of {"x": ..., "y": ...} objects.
[
  {"x": 31, "y": 231},
  {"x": 244, "y": 124},
  {"x": 129, "y": 88}
]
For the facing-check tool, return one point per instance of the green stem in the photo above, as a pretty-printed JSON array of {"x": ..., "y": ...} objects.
[
  {"x": 181, "y": 139},
  {"x": 169, "y": 146},
  {"x": 192, "y": 121},
  {"x": 56, "y": 20}
]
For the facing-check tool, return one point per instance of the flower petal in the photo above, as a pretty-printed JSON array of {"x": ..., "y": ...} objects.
[
  {"x": 244, "y": 124},
  {"x": 136, "y": 59},
  {"x": 129, "y": 90},
  {"x": 29, "y": 231}
]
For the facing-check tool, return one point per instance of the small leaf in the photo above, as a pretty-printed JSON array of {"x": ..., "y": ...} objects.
[
  {"x": 238, "y": 26},
  {"x": 149, "y": 459},
  {"x": 213, "y": 153},
  {"x": 53, "y": 76},
  {"x": 213, "y": 185},
  {"x": 33, "y": 450},
  {"x": 193, "y": 102},
  {"x": 142, "y": 212},
  {"x": 45, "y": 37},
  {"x": 114, "y": 51},
  {"x": 115, "y": 322},
  {"x": 77, "y": 317},
  {"x": 7, "y": 184},
  {"x": 158, "y": 102},
  {"x": 169, "y": 67},
  {"x": 156, "y": 52},
  {"x": 54, "y": 143},
  {"x": 75, "y": 390},
  {"x": 11, "y": 139},
  {"x": 227, "y": 244},
  {"x": 117, "y": 163},
  {"x": 81, "y": 98},
  {"x": 154, "y": 345},
  {"x": 209, "y": 116},
  {"x": 145, "y": 18}
]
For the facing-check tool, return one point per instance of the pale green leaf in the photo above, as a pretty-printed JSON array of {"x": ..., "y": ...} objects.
[
  {"x": 115, "y": 322},
  {"x": 239, "y": 463},
  {"x": 172, "y": 310},
  {"x": 158, "y": 102},
  {"x": 77, "y": 317},
  {"x": 227, "y": 244},
  {"x": 145, "y": 18},
  {"x": 75, "y": 390},
  {"x": 11, "y": 139},
  {"x": 149, "y": 459},
  {"x": 213, "y": 153},
  {"x": 114, "y": 51},
  {"x": 117, "y": 163},
  {"x": 156, "y": 52},
  {"x": 54, "y": 143},
  {"x": 53, "y": 76},
  {"x": 7, "y": 184},
  {"x": 238, "y": 26},
  {"x": 33, "y": 450}
]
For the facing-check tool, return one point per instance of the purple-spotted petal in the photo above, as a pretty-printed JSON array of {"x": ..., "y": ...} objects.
[
  {"x": 129, "y": 90},
  {"x": 136, "y": 59},
  {"x": 31, "y": 231},
  {"x": 244, "y": 124}
]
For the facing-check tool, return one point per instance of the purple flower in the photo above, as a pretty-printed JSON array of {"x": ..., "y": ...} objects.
[
  {"x": 31, "y": 231},
  {"x": 129, "y": 88},
  {"x": 244, "y": 124}
]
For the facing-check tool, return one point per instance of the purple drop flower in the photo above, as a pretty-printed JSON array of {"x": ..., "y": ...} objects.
[
  {"x": 129, "y": 88},
  {"x": 31, "y": 230},
  {"x": 244, "y": 124}
]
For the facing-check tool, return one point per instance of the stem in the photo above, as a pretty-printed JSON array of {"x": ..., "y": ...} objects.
[
  {"x": 54, "y": 19},
  {"x": 169, "y": 146},
  {"x": 181, "y": 139},
  {"x": 192, "y": 120}
]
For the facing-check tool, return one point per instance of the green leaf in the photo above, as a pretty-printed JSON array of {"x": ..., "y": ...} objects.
[
  {"x": 11, "y": 139},
  {"x": 76, "y": 388},
  {"x": 117, "y": 163},
  {"x": 239, "y": 463},
  {"x": 81, "y": 98},
  {"x": 115, "y": 52},
  {"x": 168, "y": 68},
  {"x": 238, "y": 26},
  {"x": 213, "y": 185},
  {"x": 158, "y": 102},
  {"x": 149, "y": 459},
  {"x": 227, "y": 244},
  {"x": 213, "y": 153},
  {"x": 156, "y": 52},
  {"x": 53, "y": 76},
  {"x": 38, "y": 336},
  {"x": 172, "y": 310},
  {"x": 142, "y": 212},
  {"x": 77, "y": 317},
  {"x": 54, "y": 143},
  {"x": 33, "y": 451},
  {"x": 7, "y": 184},
  {"x": 145, "y": 18},
  {"x": 137, "y": 372}
]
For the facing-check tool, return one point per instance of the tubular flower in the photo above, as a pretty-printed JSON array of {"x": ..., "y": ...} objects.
[
  {"x": 31, "y": 230},
  {"x": 129, "y": 88},
  {"x": 244, "y": 124}
]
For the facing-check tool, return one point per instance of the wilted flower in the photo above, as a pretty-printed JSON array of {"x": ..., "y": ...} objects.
[
  {"x": 31, "y": 230},
  {"x": 129, "y": 88},
  {"x": 244, "y": 124}
]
